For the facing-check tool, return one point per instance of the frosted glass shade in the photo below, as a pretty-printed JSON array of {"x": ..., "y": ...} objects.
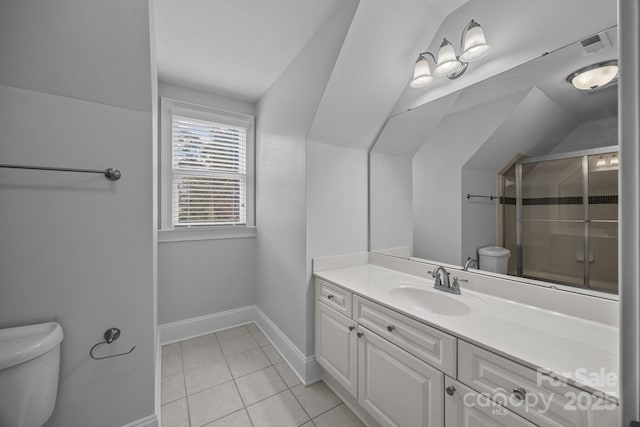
[
  {"x": 447, "y": 61},
  {"x": 594, "y": 77},
  {"x": 421, "y": 74},
  {"x": 474, "y": 46}
]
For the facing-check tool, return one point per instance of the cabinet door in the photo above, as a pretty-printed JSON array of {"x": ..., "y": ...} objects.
[
  {"x": 336, "y": 346},
  {"x": 464, "y": 408},
  {"x": 396, "y": 388}
]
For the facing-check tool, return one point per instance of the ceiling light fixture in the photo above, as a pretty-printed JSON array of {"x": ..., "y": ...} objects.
[
  {"x": 473, "y": 46},
  {"x": 595, "y": 77}
]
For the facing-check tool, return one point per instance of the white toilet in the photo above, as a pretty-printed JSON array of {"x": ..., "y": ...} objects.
[{"x": 29, "y": 366}]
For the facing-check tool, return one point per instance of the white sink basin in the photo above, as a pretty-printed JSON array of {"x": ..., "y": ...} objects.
[{"x": 430, "y": 301}]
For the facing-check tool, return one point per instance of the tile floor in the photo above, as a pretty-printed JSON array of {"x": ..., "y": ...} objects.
[{"x": 237, "y": 378}]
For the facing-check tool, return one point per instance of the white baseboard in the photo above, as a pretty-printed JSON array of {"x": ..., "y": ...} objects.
[
  {"x": 150, "y": 421},
  {"x": 305, "y": 367},
  {"x": 183, "y": 329}
]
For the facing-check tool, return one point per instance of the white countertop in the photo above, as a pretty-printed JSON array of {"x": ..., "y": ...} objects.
[{"x": 556, "y": 343}]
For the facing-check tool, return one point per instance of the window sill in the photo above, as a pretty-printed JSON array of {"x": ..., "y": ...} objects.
[{"x": 184, "y": 235}]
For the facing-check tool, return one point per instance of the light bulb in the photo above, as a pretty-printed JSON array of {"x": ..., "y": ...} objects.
[
  {"x": 614, "y": 160},
  {"x": 475, "y": 45},
  {"x": 447, "y": 61},
  {"x": 421, "y": 73},
  {"x": 601, "y": 162}
]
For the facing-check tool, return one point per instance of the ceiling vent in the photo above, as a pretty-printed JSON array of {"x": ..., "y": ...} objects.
[{"x": 594, "y": 44}]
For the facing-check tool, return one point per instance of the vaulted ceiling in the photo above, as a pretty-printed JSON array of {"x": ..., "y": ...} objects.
[
  {"x": 239, "y": 48},
  {"x": 233, "y": 48}
]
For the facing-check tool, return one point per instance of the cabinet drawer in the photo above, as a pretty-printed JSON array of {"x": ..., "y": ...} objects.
[
  {"x": 334, "y": 297},
  {"x": 537, "y": 398},
  {"x": 426, "y": 343},
  {"x": 464, "y": 407}
]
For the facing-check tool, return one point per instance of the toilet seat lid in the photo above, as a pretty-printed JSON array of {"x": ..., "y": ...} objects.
[{"x": 23, "y": 343}]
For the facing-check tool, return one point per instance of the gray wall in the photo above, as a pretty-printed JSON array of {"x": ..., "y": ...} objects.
[
  {"x": 588, "y": 135},
  {"x": 437, "y": 226},
  {"x": 201, "y": 277},
  {"x": 75, "y": 90},
  {"x": 285, "y": 114},
  {"x": 391, "y": 202},
  {"x": 337, "y": 208}
]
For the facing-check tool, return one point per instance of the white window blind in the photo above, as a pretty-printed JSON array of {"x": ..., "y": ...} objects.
[{"x": 209, "y": 183}]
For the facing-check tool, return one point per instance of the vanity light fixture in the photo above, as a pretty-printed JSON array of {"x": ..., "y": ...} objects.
[
  {"x": 473, "y": 46},
  {"x": 595, "y": 77}
]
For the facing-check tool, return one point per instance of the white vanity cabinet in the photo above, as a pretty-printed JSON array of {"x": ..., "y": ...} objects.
[
  {"x": 405, "y": 373},
  {"x": 396, "y": 388},
  {"x": 336, "y": 346},
  {"x": 464, "y": 407}
]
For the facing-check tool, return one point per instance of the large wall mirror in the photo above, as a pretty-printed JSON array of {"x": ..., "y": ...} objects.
[{"x": 518, "y": 172}]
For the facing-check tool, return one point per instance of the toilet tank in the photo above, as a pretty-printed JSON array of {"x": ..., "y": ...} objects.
[
  {"x": 29, "y": 368},
  {"x": 494, "y": 258}
]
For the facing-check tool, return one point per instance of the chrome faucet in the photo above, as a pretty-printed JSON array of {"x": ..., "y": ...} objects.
[
  {"x": 471, "y": 263},
  {"x": 444, "y": 284}
]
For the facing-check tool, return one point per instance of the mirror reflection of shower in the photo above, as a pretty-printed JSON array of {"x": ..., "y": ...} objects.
[{"x": 558, "y": 215}]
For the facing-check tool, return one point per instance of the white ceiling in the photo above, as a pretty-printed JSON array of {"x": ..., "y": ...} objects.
[
  {"x": 372, "y": 69},
  {"x": 236, "y": 48},
  {"x": 518, "y": 31},
  {"x": 239, "y": 48},
  {"x": 543, "y": 109}
]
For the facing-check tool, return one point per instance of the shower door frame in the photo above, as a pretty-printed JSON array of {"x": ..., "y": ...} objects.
[{"x": 584, "y": 154}]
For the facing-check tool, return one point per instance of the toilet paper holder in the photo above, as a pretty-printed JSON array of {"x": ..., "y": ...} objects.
[{"x": 110, "y": 335}]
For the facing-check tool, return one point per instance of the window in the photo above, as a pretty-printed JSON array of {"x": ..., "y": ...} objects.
[{"x": 206, "y": 170}]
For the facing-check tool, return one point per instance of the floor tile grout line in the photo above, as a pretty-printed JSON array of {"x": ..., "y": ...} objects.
[
  {"x": 227, "y": 381},
  {"x": 328, "y": 410},
  {"x": 234, "y": 379},
  {"x": 184, "y": 378},
  {"x": 303, "y": 408},
  {"x": 244, "y": 405},
  {"x": 265, "y": 398}
]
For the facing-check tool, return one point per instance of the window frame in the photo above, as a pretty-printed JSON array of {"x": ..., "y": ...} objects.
[{"x": 167, "y": 232}]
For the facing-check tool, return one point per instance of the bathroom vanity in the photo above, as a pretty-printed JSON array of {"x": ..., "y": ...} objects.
[{"x": 501, "y": 353}]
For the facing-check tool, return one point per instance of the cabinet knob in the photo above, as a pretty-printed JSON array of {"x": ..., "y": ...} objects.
[
  {"x": 360, "y": 334},
  {"x": 330, "y": 296},
  {"x": 450, "y": 390},
  {"x": 390, "y": 328},
  {"x": 351, "y": 328},
  {"x": 519, "y": 393}
]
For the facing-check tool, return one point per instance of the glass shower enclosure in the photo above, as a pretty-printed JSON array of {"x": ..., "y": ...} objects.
[{"x": 566, "y": 218}]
